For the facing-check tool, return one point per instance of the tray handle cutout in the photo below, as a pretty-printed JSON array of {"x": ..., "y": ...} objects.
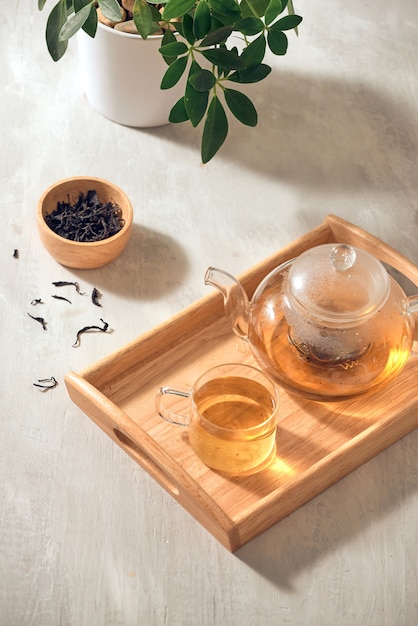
[{"x": 146, "y": 462}]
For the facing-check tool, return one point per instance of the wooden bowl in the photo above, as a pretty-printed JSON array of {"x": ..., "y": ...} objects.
[{"x": 77, "y": 254}]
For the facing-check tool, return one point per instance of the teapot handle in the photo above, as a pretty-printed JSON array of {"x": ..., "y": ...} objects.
[
  {"x": 235, "y": 299},
  {"x": 412, "y": 307}
]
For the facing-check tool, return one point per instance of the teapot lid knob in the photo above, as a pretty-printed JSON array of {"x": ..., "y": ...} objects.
[{"x": 343, "y": 257}]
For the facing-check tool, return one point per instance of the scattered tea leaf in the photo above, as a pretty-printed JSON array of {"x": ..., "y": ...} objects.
[
  {"x": 65, "y": 283},
  {"x": 36, "y": 301},
  {"x": 39, "y": 319},
  {"x": 46, "y": 383},
  {"x": 61, "y": 298},
  {"x": 95, "y": 296},
  {"x": 87, "y": 329}
]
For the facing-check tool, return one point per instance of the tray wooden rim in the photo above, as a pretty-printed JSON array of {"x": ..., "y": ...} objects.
[{"x": 87, "y": 390}]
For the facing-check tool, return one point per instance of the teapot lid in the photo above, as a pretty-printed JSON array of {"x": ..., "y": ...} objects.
[{"x": 339, "y": 283}]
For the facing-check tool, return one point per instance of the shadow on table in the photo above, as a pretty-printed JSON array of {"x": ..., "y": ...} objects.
[
  {"x": 318, "y": 132},
  {"x": 335, "y": 517},
  {"x": 152, "y": 265}
]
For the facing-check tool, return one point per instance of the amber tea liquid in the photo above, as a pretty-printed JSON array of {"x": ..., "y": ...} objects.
[
  {"x": 382, "y": 361},
  {"x": 238, "y": 429}
]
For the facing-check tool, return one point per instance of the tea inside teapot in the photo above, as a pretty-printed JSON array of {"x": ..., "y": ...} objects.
[{"x": 328, "y": 325}]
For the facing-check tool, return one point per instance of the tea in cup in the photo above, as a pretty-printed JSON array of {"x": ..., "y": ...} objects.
[{"x": 232, "y": 417}]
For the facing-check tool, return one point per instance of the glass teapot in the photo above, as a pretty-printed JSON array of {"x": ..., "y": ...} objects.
[{"x": 328, "y": 325}]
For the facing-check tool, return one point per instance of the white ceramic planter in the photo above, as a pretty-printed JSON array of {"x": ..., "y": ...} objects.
[{"x": 121, "y": 76}]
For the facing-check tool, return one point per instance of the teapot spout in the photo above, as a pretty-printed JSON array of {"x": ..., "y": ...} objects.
[{"x": 236, "y": 301}]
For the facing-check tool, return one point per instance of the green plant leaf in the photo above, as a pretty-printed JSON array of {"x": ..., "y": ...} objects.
[
  {"x": 178, "y": 113},
  {"x": 254, "y": 7},
  {"x": 188, "y": 29},
  {"x": 41, "y": 4},
  {"x": 74, "y": 23},
  {"x": 173, "y": 73},
  {"x": 226, "y": 8},
  {"x": 215, "y": 130},
  {"x": 179, "y": 27},
  {"x": 143, "y": 18},
  {"x": 287, "y": 22},
  {"x": 254, "y": 53},
  {"x": 90, "y": 25},
  {"x": 202, "y": 80},
  {"x": 277, "y": 42},
  {"x": 177, "y": 8},
  {"x": 156, "y": 15},
  {"x": 251, "y": 75},
  {"x": 274, "y": 9},
  {"x": 224, "y": 59},
  {"x": 202, "y": 20},
  {"x": 196, "y": 103},
  {"x": 174, "y": 49},
  {"x": 111, "y": 9},
  {"x": 168, "y": 37},
  {"x": 79, "y": 4},
  {"x": 241, "y": 107},
  {"x": 55, "y": 22},
  {"x": 215, "y": 22},
  {"x": 249, "y": 26},
  {"x": 217, "y": 36}
]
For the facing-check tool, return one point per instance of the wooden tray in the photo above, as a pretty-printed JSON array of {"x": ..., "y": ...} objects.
[{"x": 317, "y": 443}]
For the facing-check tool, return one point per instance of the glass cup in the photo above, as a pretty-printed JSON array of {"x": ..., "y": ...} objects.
[{"x": 232, "y": 417}]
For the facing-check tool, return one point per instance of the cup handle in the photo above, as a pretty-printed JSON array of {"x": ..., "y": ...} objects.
[{"x": 164, "y": 411}]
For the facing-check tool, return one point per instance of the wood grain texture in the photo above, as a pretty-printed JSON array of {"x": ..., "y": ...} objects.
[{"x": 317, "y": 443}]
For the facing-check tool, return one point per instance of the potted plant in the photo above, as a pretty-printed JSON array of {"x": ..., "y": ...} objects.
[{"x": 212, "y": 45}]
